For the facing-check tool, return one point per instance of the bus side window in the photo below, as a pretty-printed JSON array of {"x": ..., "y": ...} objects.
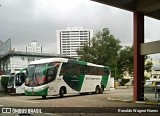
[
  {"x": 74, "y": 69},
  {"x": 51, "y": 73},
  {"x": 101, "y": 71},
  {"x": 93, "y": 70},
  {"x": 106, "y": 72},
  {"x": 65, "y": 69},
  {"x": 83, "y": 69},
  {"x": 62, "y": 72}
]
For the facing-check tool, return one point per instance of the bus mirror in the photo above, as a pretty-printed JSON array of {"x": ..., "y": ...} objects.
[{"x": 24, "y": 69}]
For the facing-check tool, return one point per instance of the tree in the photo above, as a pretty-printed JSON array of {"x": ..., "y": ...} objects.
[
  {"x": 148, "y": 64},
  {"x": 102, "y": 49},
  {"x": 125, "y": 62},
  {"x": 105, "y": 49}
]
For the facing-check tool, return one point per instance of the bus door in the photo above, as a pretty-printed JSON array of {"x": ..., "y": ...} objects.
[
  {"x": 19, "y": 82},
  {"x": 51, "y": 74}
]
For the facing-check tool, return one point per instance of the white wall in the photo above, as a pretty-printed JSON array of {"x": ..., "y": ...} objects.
[{"x": 20, "y": 62}]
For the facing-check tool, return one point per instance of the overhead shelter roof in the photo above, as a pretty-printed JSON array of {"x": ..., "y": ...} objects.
[
  {"x": 18, "y": 53},
  {"x": 150, "y": 8}
]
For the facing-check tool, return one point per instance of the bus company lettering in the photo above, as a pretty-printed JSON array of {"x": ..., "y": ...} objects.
[{"x": 92, "y": 78}]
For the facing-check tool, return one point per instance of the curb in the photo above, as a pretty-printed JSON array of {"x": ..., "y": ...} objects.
[
  {"x": 110, "y": 99},
  {"x": 138, "y": 102},
  {"x": 148, "y": 102}
]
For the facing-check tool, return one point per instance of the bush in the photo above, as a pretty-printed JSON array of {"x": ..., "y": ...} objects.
[
  {"x": 4, "y": 81},
  {"x": 146, "y": 78}
]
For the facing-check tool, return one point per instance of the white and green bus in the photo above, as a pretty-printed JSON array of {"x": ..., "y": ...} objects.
[{"x": 59, "y": 76}]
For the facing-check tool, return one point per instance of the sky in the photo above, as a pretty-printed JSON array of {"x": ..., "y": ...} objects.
[{"x": 28, "y": 20}]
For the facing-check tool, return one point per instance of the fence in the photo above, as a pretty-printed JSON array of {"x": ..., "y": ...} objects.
[{"x": 152, "y": 90}]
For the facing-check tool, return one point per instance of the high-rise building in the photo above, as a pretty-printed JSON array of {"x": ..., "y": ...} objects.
[
  {"x": 71, "y": 38},
  {"x": 34, "y": 47}
]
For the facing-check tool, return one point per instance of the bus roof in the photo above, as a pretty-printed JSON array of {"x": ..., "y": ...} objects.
[
  {"x": 47, "y": 60},
  {"x": 84, "y": 63}
]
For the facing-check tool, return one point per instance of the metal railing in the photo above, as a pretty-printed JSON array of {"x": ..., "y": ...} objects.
[{"x": 151, "y": 89}]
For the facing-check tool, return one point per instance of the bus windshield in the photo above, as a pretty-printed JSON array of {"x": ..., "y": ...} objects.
[
  {"x": 19, "y": 79},
  {"x": 11, "y": 81},
  {"x": 36, "y": 75}
]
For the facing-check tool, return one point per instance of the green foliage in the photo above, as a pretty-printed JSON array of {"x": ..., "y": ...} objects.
[
  {"x": 125, "y": 61},
  {"x": 105, "y": 49},
  {"x": 4, "y": 81},
  {"x": 146, "y": 78},
  {"x": 102, "y": 49},
  {"x": 148, "y": 65}
]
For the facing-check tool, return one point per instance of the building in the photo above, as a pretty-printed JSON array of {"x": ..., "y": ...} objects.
[
  {"x": 15, "y": 60},
  {"x": 71, "y": 38},
  {"x": 34, "y": 47}
]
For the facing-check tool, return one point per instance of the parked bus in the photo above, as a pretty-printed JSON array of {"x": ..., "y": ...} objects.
[
  {"x": 16, "y": 82},
  {"x": 59, "y": 76}
]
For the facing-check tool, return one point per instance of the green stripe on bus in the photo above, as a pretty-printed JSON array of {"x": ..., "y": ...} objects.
[
  {"x": 77, "y": 62},
  {"x": 43, "y": 92},
  {"x": 74, "y": 81},
  {"x": 105, "y": 77},
  {"x": 104, "y": 80}
]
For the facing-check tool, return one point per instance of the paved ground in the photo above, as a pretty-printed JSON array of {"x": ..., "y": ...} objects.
[{"x": 108, "y": 103}]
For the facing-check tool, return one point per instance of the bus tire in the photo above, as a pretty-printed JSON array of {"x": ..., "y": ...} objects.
[
  {"x": 61, "y": 92},
  {"x": 97, "y": 89},
  {"x": 100, "y": 90},
  {"x": 44, "y": 97}
]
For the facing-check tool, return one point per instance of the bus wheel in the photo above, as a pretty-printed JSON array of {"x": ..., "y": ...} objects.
[
  {"x": 97, "y": 89},
  {"x": 61, "y": 92},
  {"x": 100, "y": 90},
  {"x": 44, "y": 97}
]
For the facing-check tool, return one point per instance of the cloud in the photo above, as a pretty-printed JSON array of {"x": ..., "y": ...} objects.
[{"x": 27, "y": 20}]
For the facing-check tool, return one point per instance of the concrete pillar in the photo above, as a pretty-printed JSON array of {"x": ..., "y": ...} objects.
[{"x": 138, "y": 59}]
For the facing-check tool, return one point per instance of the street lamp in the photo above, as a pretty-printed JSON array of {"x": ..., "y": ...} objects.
[
  {"x": 117, "y": 57},
  {"x": 115, "y": 68}
]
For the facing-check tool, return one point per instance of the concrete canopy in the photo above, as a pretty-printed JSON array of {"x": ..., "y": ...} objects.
[
  {"x": 150, "y": 8},
  {"x": 140, "y": 8}
]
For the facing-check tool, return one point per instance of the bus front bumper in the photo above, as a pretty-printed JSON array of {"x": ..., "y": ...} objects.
[{"x": 33, "y": 92}]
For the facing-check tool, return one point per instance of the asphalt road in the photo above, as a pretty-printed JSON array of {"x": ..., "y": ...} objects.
[{"x": 75, "y": 104}]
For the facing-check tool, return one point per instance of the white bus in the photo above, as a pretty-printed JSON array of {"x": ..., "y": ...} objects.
[
  {"x": 59, "y": 76},
  {"x": 16, "y": 82}
]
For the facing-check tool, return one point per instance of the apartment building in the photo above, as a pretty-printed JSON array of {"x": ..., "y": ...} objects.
[
  {"x": 34, "y": 47},
  {"x": 72, "y": 38}
]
